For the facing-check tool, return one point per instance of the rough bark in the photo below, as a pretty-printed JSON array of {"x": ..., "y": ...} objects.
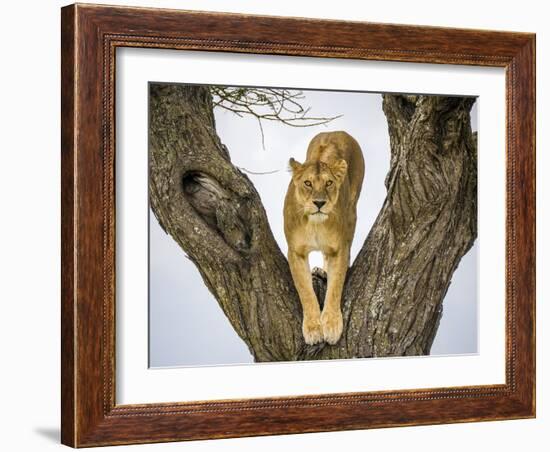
[
  {"x": 394, "y": 290},
  {"x": 396, "y": 286}
]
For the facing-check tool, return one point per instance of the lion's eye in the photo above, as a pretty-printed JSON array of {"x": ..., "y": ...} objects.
[
  {"x": 307, "y": 183},
  {"x": 329, "y": 183}
]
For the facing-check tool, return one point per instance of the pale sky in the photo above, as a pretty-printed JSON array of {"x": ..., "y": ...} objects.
[{"x": 188, "y": 328}]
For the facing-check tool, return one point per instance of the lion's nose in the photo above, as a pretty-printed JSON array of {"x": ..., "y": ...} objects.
[{"x": 319, "y": 204}]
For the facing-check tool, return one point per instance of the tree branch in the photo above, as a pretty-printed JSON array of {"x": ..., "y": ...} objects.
[
  {"x": 395, "y": 288},
  {"x": 214, "y": 213},
  {"x": 269, "y": 104}
]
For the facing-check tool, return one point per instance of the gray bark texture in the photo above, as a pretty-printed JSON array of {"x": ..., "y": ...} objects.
[{"x": 392, "y": 299}]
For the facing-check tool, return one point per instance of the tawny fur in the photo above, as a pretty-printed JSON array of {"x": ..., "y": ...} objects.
[{"x": 331, "y": 176}]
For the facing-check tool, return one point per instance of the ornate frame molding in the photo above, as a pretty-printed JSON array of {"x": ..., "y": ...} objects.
[{"x": 90, "y": 36}]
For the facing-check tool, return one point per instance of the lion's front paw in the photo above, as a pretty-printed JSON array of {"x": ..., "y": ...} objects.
[
  {"x": 332, "y": 324},
  {"x": 311, "y": 328}
]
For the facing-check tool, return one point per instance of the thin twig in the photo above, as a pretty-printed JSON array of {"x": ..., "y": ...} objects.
[
  {"x": 258, "y": 173},
  {"x": 282, "y": 105}
]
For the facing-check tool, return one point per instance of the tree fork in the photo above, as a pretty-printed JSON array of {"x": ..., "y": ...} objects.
[{"x": 394, "y": 290}]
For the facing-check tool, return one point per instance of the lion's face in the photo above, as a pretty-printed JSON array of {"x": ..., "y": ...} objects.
[{"x": 317, "y": 187}]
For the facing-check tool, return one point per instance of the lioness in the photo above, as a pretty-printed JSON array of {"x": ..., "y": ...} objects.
[{"x": 320, "y": 215}]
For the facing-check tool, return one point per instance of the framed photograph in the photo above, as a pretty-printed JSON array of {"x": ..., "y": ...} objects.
[{"x": 281, "y": 225}]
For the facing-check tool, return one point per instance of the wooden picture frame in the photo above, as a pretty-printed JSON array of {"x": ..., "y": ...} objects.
[{"x": 90, "y": 36}]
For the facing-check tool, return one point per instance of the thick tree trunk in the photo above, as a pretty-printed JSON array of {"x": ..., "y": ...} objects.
[
  {"x": 396, "y": 286},
  {"x": 394, "y": 290}
]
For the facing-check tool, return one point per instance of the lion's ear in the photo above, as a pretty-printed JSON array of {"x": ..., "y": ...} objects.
[
  {"x": 294, "y": 165},
  {"x": 339, "y": 168}
]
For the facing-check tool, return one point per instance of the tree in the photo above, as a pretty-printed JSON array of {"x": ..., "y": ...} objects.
[{"x": 392, "y": 299}]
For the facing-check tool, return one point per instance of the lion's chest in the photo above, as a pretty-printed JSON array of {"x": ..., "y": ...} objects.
[{"x": 317, "y": 237}]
